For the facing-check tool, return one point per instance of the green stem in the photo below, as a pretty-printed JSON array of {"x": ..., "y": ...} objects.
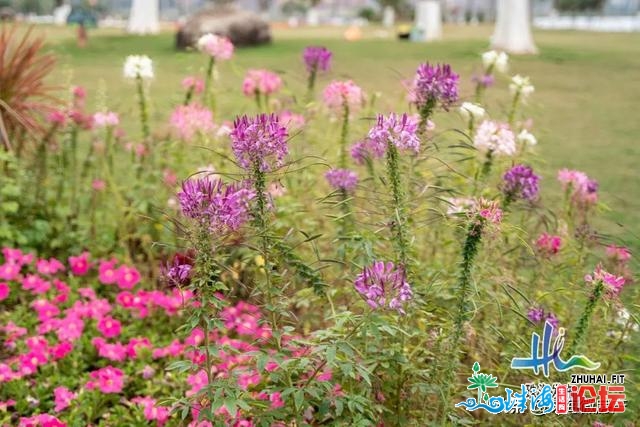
[
  {"x": 583, "y": 323},
  {"x": 311, "y": 83},
  {"x": 142, "y": 104},
  {"x": 209, "y": 98},
  {"x": 344, "y": 135},
  {"x": 398, "y": 221},
  {"x": 514, "y": 108}
]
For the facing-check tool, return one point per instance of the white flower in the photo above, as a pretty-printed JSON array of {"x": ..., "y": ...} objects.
[
  {"x": 495, "y": 138},
  {"x": 498, "y": 60},
  {"x": 521, "y": 85},
  {"x": 460, "y": 205},
  {"x": 470, "y": 110},
  {"x": 622, "y": 318},
  {"x": 527, "y": 138},
  {"x": 138, "y": 66}
]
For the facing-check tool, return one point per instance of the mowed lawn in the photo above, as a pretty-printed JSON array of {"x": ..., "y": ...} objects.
[{"x": 585, "y": 108}]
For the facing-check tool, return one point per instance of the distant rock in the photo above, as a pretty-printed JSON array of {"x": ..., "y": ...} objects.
[
  {"x": 242, "y": 28},
  {"x": 7, "y": 14}
]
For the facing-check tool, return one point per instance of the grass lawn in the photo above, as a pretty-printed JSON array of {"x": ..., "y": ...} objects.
[{"x": 584, "y": 109}]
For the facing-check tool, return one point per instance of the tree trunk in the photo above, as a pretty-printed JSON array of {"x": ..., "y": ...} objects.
[
  {"x": 513, "y": 27},
  {"x": 143, "y": 18}
]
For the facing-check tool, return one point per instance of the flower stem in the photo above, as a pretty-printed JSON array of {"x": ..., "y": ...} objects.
[
  {"x": 209, "y": 98},
  {"x": 142, "y": 103},
  {"x": 399, "y": 219},
  {"x": 344, "y": 135},
  {"x": 311, "y": 83},
  {"x": 583, "y": 323}
]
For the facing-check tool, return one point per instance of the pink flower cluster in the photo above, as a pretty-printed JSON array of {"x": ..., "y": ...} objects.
[
  {"x": 400, "y": 131},
  {"x": 613, "y": 284},
  {"x": 107, "y": 119},
  {"x": 582, "y": 190},
  {"x": 216, "y": 47},
  {"x": 495, "y": 138},
  {"x": 190, "y": 120},
  {"x": 342, "y": 179},
  {"x": 261, "y": 82},
  {"x": 548, "y": 244},
  {"x": 488, "y": 210},
  {"x": 339, "y": 95},
  {"x": 192, "y": 83}
]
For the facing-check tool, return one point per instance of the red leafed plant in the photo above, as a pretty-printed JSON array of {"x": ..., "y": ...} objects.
[{"x": 25, "y": 97}]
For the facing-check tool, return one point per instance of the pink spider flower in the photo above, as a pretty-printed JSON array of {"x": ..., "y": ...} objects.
[
  {"x": 339, "y": 95},
  {"x": 613, "y": 284},
  {"x": 188, "y": 121},
  {"x": 261, "y": 82},
  {"x": 215, "y": 46},
  {"x": 193, "y": 83},
  {"x": 548, "y": 244}
]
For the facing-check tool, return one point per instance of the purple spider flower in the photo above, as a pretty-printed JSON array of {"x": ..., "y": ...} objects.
[
  {"x": 222, "y": 207},
  {"x": 384, "y": 285},
  {"x": 342, "y": 179},
  {"x": 259, "y": 142},
  {"x": 400, "y": 130},
  {"x": 433, "y": 85},
  {"x": 365, "y": 149},
  {"x": 520, "y": 182},
  {"x": 177, "y": 273},
  {"x": 317, "y": 58},
  {"x": 535, "y": 314},
  {"x": 484, "y": 80}
]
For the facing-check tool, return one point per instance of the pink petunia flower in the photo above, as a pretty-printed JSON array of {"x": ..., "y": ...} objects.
[
  {"x": 127, "y": 277},
  {"x": 109, "y": 327},
  {"x": 107, "y": 380},
  {"x": 62, "y": 398},
  {"x": 79, "y": 265}
]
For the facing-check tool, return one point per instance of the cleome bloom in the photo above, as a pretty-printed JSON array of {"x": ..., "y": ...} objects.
[
  {"x": 261, "y": 82},
  {"x": 342, "y": 179},
  {"x": 488, "y": 210},
  {"x": 259, "y": 141},
  {"x": 217, "y": 47},
  {"x": 471, "y": 111},
  {"x": 493, "y": 60},
  {"x": 520, "y": 182},
  {"x": 433, "y": 85},
  {"x": 222, "y": 207},
  {"x": 613, "y": 284},
  {"x": 107, "y": 119},
  {"x": 495, "y": 138},
  {"x": 343, "y": 94},
  {"x": 581, "y": 189},
  {"x": 521, "y": 86},
  {"x": 548, "y": 244},
  {"x": 399, "y": 130},
  {"x": 383, "y": 285},
  {"x": 190, "y": 120},
  {"x": 138, "y": 66},
  {"x": 193, "y": 83},
  {"x": 317, "y": 58}
]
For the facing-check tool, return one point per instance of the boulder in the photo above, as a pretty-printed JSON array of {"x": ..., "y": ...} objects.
[{"x": 241, "y": 27}]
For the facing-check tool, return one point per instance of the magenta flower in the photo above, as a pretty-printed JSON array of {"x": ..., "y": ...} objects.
[
  {"x": 317, "y": 58},
  {"x": 383, "y": 285},
  {"x": 488, "y": 210},
  {"x": 79, "y": 265},
  {"x": 433, "y": 85},
  {"x": 57, "y": 117},
  {"x": 342, "y": 179},
  {"x": 401, "y": 131},
  {"x": 190, "y": 120},
  {"x": 520, "y": 182},
  {"x": 340, "y": 94},
  {"x": 549, "y": 244},
  {"x": 4, "y": 291},
  {"x": 261, "y": 82},
  {"x": 107, "y": 272},
  {"x": 109, "y": 327},
  {"x": 259, "y": 142},
  {"x": 177, "y": 274},
  {"x": 107, "y": 380},
  {"x": 535, "y": 314},
  {"x": 612, "y": 283},
  {"x": 127, "y": 277},
  {"x": 62, "y": 398},
  {"x": 222, "y": 207}
]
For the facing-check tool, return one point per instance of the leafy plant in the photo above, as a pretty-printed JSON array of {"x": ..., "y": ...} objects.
[{"x": 24, "y": 96}]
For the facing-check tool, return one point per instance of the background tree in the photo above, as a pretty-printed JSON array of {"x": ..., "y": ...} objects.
[{"x": 579, "y": 5}]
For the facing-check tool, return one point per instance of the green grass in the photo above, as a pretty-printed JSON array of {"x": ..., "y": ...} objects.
[{"x": 584, "y": 109}]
